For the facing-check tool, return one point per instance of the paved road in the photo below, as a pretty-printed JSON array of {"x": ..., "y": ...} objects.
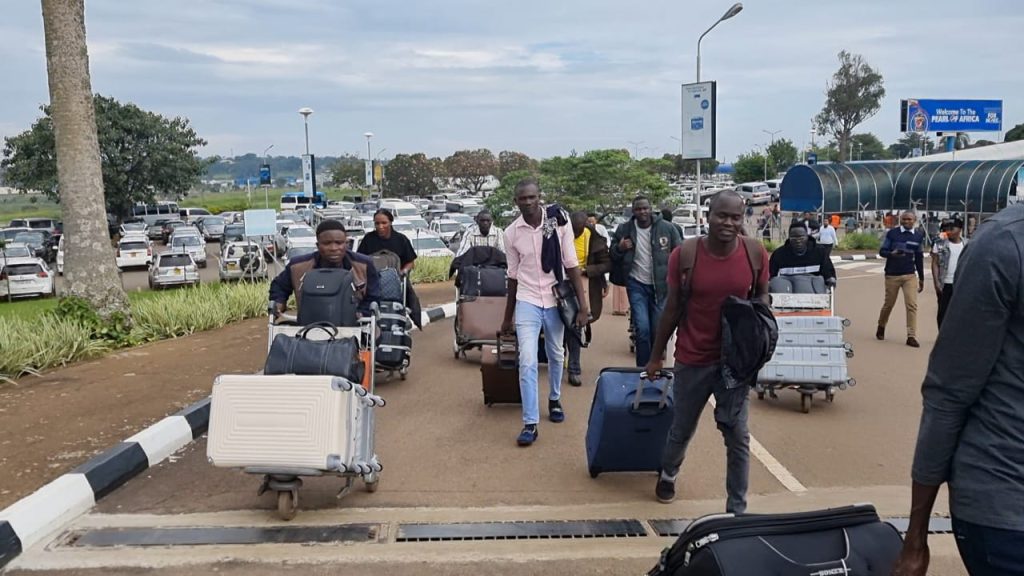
[{"x": 449, "y": 458}]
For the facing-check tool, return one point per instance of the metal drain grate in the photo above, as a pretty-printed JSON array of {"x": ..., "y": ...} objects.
[
  {"x": 673, "y": 528},
  {"x": 520, "y": 530},
  {"x": 107, "y": 537}
]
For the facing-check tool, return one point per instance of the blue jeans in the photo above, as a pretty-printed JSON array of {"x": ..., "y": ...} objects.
[
  {"x": 989, "y": 551},
  {"x": 646, "y": 312},
  {"x": 530, "y": 320}
]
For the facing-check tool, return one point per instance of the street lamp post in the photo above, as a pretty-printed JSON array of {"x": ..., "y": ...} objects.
[
  {"x": 266, "y": 187},
  {"x": 312, "y": 177},
  {"x": 732, "y": 11},
  {"x": 772, "y": 133},
  {"x": 305, "y": 121},
  {"x": 636, "y": 148}
]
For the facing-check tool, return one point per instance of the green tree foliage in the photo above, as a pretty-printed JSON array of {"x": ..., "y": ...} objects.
[
  {"x": 511, "y": 161},
  {"x": 410, "y": 175},
  {"x": 248, "y": 166},
  {"x": 143, "y": 154},
  {"x": 749, "y": 167},
  {"x": 1015, "y": 133},
  {"x": 471, "y": 168},
  {"x": 854, "y": 95},
  {"x": 867, "y": 146},
  {"x": 782, "y": 154},
  {"x": 349, "y": 170},
  {"x": 905, "y": 146},
  {"x": 501, "y": 202}
]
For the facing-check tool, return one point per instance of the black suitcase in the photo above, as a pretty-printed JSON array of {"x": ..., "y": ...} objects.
[
  {"x": 328, "y": 295},
  {"x": 394, "y": 349},
  {"x": 475, "y": 281},
  {"x": 848, "y": 541}
]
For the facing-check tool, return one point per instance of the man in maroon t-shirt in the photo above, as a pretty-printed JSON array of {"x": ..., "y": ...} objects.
[{"x": 722, "y": 268}]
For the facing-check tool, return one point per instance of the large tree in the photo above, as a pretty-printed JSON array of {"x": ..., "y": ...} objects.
[
  {"x": 905, "y": 146},
  {"x": 89, "y": 267},
  {"x": 349, "y": 170},
  {"x": 750, "y": 167},
  {"x": 141, "y": 153},
  {"x": 782, "y": 154},
  {"x": 867, "y": 146},
  {"x": 1015, "y": 133},
  {"x": 854, "y": 95},
  {"x": 470, "y": 169},
  {"x": 410, "y": 175},
  {"x": 511, "y": 161}
]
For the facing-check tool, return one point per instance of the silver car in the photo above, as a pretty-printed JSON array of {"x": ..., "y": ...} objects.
[
  {"x": 191, "y": 244},
  {"x": 242, "y": 261},
  {"x": 173, "y": 269},
  {"x": 212, "y": 228}
]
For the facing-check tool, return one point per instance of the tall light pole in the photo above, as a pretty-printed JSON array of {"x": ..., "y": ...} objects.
[
  {"x": 636, "y": 148},
  {"x": 772, "y": 133},
  {"x": 369, "y": 160},
  {"x": 305, "y": 121},
  {"x": 732, "y": 11}
]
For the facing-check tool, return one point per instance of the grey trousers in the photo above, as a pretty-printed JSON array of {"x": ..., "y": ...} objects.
[{"x": 691, "y": 387}]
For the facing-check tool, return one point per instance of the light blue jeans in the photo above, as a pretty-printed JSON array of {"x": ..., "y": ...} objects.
[{"x": 530, "y": 320}]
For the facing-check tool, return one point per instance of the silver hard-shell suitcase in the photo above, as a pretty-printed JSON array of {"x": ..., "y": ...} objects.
[
  {"x": 816, "y": 366},
  {"x": 811, "y": 339},
  {"x": 815, "y": 324}
]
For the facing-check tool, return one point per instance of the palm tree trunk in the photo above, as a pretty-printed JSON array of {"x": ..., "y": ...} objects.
[{"x": 90, "y": 270}]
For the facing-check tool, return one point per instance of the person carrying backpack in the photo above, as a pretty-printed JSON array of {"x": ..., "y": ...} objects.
[{"x": 705, "y": 276}]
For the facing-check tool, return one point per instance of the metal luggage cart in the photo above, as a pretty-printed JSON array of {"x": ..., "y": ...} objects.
[
  {"x": 286, "y": 482},
  {"x": 398, "y": 314},
  {"x": 810, "y": 356}
]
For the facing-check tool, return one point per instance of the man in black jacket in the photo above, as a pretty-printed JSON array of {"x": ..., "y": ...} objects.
[{"x": 800, "y": 256}]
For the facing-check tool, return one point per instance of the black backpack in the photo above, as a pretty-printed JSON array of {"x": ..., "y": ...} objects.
[
  {"x": 328, "y": 295},
  {"x": 749, "y": 335}
]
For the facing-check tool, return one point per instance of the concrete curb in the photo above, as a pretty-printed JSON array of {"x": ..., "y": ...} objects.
[
  {"x": 860, "y": 257},
  {"x": 52, "y": 507}
]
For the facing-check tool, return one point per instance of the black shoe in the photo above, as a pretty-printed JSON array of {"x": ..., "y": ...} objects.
[
  {"x": 665, "y": 491},
  {"x": 528, "y": 436},
  {"x": 555, "y": 412},
  {"x": 575, "y": 380},
  {"x": 880, "y": 333},
  {"x": 912, "y": 342}
]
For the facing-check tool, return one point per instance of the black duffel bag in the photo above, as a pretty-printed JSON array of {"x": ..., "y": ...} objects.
[
  {"x": 849, "y": 540},
  {"x": 300, "y": 355},
  {"x": 475, "y": 281}
]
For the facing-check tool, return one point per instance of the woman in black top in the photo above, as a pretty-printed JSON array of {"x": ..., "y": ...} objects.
[{"x": 384, "y": 237}]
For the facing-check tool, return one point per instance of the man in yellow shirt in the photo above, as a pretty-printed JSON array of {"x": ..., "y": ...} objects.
[{"x": 592, "y": 253}]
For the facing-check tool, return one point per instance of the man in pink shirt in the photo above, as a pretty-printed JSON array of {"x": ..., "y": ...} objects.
[{"x": 538, "y": 248}]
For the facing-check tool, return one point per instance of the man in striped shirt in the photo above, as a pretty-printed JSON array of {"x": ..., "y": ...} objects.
[{"x": 483, "y": 233}]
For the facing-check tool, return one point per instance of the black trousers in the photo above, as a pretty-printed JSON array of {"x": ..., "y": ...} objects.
[{"x": 944, "y": 298}]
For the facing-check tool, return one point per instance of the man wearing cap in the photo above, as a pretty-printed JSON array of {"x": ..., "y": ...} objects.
[{"x": 945, "y": 256}]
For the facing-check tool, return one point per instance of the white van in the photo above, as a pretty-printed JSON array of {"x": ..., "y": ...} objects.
[
  {"x": 189, "y": 215},
  {"x": 400, "y": 209}
]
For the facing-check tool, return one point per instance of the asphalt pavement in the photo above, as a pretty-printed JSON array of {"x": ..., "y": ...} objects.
[{"x": 449, "y": 458}]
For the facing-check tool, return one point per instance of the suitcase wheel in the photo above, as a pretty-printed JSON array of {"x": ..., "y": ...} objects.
[
  {"x": 594, "y": 472},
  {"x": 287, "y": 504},
  {"x": 372, "y": 482},
  {"x": 805, "y": 403}
]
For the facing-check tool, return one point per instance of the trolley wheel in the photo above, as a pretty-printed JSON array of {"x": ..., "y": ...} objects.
[
  {"x": 456, "y": 353},
  {"x": 805, "y": 403},
  {"x": 594, "y": 472},
  {"x": 830, "y": 396},
  {"x": 287, "y": 504},
  {"x": 846, "y": 322},
  {"x": 402, "y": 375},
  {"x": 372, "y": 485}
]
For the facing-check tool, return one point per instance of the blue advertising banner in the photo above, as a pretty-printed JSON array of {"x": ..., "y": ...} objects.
[{"x": 952, "y": 115}]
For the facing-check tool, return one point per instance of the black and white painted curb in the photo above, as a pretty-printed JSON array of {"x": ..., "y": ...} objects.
[
  {"x": 49, "y": 509},
  {"x": 860, "y": 257}
]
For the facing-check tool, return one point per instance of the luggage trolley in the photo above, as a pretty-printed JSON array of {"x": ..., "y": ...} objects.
[
  {"x": 477, "y": 318},
  {"x": 810, "y": 355},
  {"x": 285, "y": 481},
  {"x": 394, "y": 342}
]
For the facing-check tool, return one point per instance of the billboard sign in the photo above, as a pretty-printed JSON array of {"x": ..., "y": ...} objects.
[
  {"x": 368, "y": 168},
  {"x": 308, "y": 175},
  {"x": 951, "y": 115},
  {"x": 265, "y": 175},
  {"x": 699, "y": 109}
]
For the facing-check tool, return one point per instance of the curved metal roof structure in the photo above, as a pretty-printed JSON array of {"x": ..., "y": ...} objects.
[{"x": 969, "y": 186}]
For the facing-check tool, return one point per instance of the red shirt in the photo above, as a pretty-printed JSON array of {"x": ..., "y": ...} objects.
[{"x": 699, "y": 340}]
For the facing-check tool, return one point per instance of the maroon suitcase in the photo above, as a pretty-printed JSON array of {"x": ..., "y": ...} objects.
[{"x": 499, "y": 371}]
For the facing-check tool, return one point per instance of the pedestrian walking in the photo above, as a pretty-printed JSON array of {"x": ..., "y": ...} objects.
[
  {"x": 723, "y": 267},
  {"x": 903, "y": 250},
  {"x": 827, "y": 238},
  {"x": 640, "y": 251},
  {"x": 620, "y": 302},
  {"x": 592, "y": 254},
  {"x": 483, "y": 233},
  {"x": 540, "y": 250},
  {"x": 945, "y": 257},
  {"x": 384, "y": 237},
  {"x": 593, "y": 222},
  {"x": 971, "y": 435}
]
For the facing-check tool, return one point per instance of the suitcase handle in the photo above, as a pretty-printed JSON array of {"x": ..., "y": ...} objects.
[
  {"x": 665, "y": 375},
  {"x": 327, "y": 327}
]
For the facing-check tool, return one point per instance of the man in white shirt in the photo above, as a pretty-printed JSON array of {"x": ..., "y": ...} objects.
[
  {"x": 945, "y": 257},
  {"x": 827, "y": 237},
  {"x": 483, "y": 233}
]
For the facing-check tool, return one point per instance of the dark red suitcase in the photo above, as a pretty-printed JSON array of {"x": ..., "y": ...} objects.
[{"x": 499, "y": 371}]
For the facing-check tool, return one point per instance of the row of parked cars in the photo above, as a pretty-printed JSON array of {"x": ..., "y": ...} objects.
[{"x": 30, "y": 246}]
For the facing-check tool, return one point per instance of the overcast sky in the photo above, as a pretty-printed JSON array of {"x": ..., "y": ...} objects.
[{"x": 541, "y": 77}]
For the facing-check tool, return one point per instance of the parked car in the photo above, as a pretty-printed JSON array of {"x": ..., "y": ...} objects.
[
  {"x": 14, "y": 250},
  {"x": 25, "y": 277},
  {"x": 400, "y": 209},
  {"x": 8, "y": 234},
  {"x": 464, "y": 219},
  {"x": 191, "y": 244},
  {"x": 403, "y": 226},
  {"x": 173, "y": 269},
  {"x": 189, "y": 215},
  {"x": 429, "y": 245},
  {"x": 212, "y": 228},
  {"x": 776, "y": 188},
  {"x": 293, "y": 236},
  {"x": 133, "y": 251},
  {"x": 168, "y": 229},
  {"x": 754, "y": 193},
  {"x": 231, "y": 217},
  {"x": 132, "y": 227},
  {"x": 36, "y": 240},
  {"x": 361, "y": 222},
  {"x": 48, "y": 224},
  {"x": 446, "y": 229},
  {"x": 242, "y": 261},
  {"x": 418, "y": 223},
  {"x": 234, "y": 233}
]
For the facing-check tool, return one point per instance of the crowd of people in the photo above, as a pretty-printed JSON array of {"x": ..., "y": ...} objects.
[{"x": 971, "y": 435}]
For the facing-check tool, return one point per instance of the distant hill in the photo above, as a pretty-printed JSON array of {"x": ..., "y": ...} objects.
[{"x": 249, "y": 166}]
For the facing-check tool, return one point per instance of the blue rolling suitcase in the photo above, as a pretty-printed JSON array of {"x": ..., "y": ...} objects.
[{"x": 629, "y": 421}]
